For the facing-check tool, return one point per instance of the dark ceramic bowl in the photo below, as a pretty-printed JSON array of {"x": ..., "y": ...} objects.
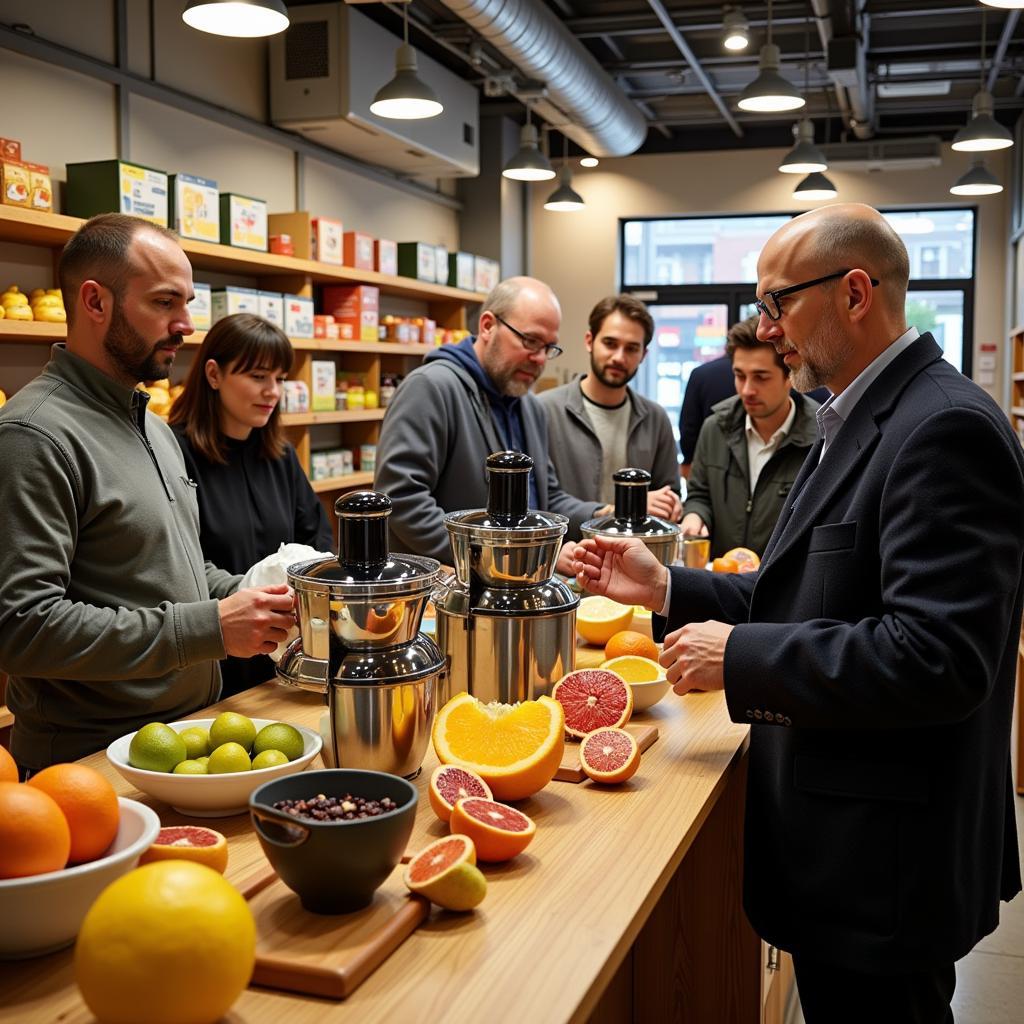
[{"x": 334, "y": 867}]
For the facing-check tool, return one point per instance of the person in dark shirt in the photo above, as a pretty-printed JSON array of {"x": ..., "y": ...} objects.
[
  {"x": 707, "y": 385},
  {"x": 253, "y": 494}
]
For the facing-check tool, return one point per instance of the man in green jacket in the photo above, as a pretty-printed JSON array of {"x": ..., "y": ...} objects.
[
  {"x": 750, "y": 449},
  {"x": 109, "y": 617}
]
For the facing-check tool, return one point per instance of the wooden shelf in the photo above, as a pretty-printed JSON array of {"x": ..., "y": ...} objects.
[
  {"x": 340, "y": 483},
  {"x": 31, "y": 228},
  {"x": 309, "y": 419},
  {"x": 29, "y": 332},
  {"x": 1017, "y": 376}
]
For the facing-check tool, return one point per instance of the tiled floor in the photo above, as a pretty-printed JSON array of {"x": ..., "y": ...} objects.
[{"x": 990, "y": 979}]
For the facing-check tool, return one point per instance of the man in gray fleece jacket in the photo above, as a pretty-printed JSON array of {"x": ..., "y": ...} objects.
[
  {"x": 463, "y": 403},
  {"x": 109, "y": 617}
]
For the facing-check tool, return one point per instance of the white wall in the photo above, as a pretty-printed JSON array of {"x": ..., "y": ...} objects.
[{"x": 577, "y": 253}]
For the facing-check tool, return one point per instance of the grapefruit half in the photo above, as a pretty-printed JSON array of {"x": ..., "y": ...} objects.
[
  {"x": 609, "y": 755},
  {"x": 446, "y": 873},
  {"x": 449, "y": 783},
  {"x": 189, "y": 842},
  {"x": 593, "y": 698},
  {"x": 499, "y": 832}
]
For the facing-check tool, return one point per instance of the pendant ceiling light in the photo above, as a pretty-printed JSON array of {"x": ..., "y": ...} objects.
[
  {"x": 529, "y": 164},
  {"x": 735, "y": 29},
  {"x": 406, "y": 97},
  {"x": 815, "y": 186},
  {"x": 978, "y": 181},
  {"x": 770, "y": 92},
  {"x": 804, "y": 157},
  {"x": 244, "y": 19},
  {"x": 983, "y": 132},
  {"x": 589, "y": 161},
  {"x": 1005, "y": 5},
  {"x": 565, "y": 199}
]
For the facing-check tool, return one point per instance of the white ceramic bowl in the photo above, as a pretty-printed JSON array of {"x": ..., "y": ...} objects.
[
  {"x": 208, "y": 796},
  {"x": 646, "y": 695},
  {"x": 42, "y": 913}
]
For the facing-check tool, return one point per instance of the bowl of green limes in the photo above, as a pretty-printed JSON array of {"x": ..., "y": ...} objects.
[{"x": 207, "y": 767}]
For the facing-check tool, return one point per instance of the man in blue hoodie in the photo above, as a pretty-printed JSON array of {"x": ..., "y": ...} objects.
[{"x": 464, "y": 402}]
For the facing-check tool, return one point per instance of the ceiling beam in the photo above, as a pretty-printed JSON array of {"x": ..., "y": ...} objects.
[{"x": 1009, "y": 27}]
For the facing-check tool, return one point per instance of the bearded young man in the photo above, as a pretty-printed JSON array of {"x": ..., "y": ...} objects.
[
  {"x": 109, "y": 616},
  {"x": 465, "y": 402},
  {"x": 597, "y": 424}
]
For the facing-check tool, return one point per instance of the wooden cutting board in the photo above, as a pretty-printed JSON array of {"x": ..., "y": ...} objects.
[
  {"x": 327, "y": 955},
  {"x": 570, "y": 770}
]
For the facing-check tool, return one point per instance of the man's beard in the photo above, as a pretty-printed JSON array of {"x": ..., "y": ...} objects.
[
  {"x": 820, "y": 356},
  {"x": 609, "y": 381},
  {"x": 504, "y": 377},
  {"x": 133, "y": 356}
]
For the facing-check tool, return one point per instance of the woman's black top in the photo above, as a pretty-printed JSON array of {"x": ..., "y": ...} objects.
[{"x": 247, "y": 509}]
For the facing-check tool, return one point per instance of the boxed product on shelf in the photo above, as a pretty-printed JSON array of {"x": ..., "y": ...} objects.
[
  {"x": 271, "y": 307},
  {"x": 385, "y": 256},
  {"x": 194, "y": 207},
  {"x": 298, "y": 316},
  {"x": 367, "y": 458},
  {"x": 231, "y": 299},
  {"x": 388, "y": 385},
  {"x": 428, "y": 329},
  {"x": 109, "y": 186},
  {"x": 330, "y": 463},
  {"x": 441, "y": 264},
  {"x": 324, "y": 326},
  {"x": 40, "y": 188},
  {"x": 462, "y": 270},
  {"x": 17, "y": 184},
  {"x": 281, "y": 245},
  {"x": 324, "y": 376},
  {"x": 294, "y": 396},
  {"x": 359, "y": 250},
  {"x": 201, "y": 307},
  {"x": 356, "y": 308},
  {"x": 418, "y": 260},
  {"x": 487, "y": 273},
  {"x": 243, "y": 222},
  {"x": 10, "y": 149},
  {"x": 325, "y": 240}
]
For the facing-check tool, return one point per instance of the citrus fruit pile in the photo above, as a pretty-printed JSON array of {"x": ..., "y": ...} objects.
[
  {"x": 168, "y": 943},
  {"x": 598, "y": 619},
  {"x": 231, "y": 744},
  {"x": 66, "y": 814}
]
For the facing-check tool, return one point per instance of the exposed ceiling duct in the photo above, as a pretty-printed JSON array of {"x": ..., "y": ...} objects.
[{"x": 603, "y": 120}]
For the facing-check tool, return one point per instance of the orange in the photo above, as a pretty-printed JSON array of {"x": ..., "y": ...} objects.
[
  {"x": 8, "y": 769},
  {"x": 609, "y": 755},
  {"x": 34, "y": 834},
  {"x": 634, "y": 670},
  {"x": 725, "y": 565},
  {"x": 446, "y": 873},
  {"x": 515, "y": 748},
  {"x": 499, "y": 832},
  {"x": 189, "y": 842},
  {"x": 741, "y": 555},
  {"x": 89, "y": 803},
  {"x": 628, "y": 641},
  {"x": 598, "y": 618}
]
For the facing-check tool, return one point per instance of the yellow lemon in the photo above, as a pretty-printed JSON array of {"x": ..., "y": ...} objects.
[
  {"x": 635, "y": 669},
  {"x": 168, "y": 943},
  {"x": 598, "y": 619}
]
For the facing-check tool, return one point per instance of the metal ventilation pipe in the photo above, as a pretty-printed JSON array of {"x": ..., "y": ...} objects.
[
  {"x": 855, "y": 103},
  {"x": 604, "y": 121}
]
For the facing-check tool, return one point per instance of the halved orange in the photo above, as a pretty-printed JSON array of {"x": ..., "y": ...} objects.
[
  {"x": 599, "y": 618},
  {"x": 634, "y": 670},
  {"x": 499, "y": 832},
  {"x": 742, "y": 555},
  {"x": 515, "y": 748},
  {"x": 189, "y": 842}
]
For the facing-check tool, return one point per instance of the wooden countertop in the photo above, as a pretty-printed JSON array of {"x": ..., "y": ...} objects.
[{"x": 557, "y": 920}]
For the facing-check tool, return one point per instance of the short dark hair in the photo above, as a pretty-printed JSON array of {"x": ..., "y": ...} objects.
[
  {"x": 237, "y": 344},
  {"x": 630, "y": 307},
  {"x": 744, "y": 335},
  {"x": 99, "y": 249}
]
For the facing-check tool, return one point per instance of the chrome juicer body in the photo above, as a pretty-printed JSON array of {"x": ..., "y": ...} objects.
[
  {"x": 359, "y": 643},
  {"x": 506, "y": 626}
]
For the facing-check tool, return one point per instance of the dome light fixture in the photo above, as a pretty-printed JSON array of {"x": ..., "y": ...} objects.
[
  {"x": 735, "y": 29},
  {"x": 977, "y": 181},
  {"x": 406, "y": 97},
  {"x": 983, "y": 132},
  {"x": 565, "y": 199},
  {"x": 1005, "y": 5},
  {"x": 529, "y": 164},
  {"x": 770, "y": 92},
  {"x": 589, "y": 161},
  {"x": 804, "y": 157},
  {"x": 815, "y": 187},
  {"x": 243, "y": 19}
]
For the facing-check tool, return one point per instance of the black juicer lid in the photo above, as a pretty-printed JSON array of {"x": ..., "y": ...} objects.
[{"x": 630, "y": 518}]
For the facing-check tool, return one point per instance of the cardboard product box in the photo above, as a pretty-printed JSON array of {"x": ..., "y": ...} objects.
[
  {"x": 441, "y": 264},
  {"x": 243, "y": 222},
  {"x": 194, "y": 207},
  {"x": 487, "y": 273},
  {"x": 462, "y": 270},
  {"x": 201, "y": 307},
  {"x": 359, "y": 250},
  {"x": 324, "y": 382},
  {"x": 320, "y": 466},
  {"x": 294, "y": 396},
  {"x": 10, "y": 149},
  {"x": 40, "y": 188},
  {"x": 114, "y": 186},
  {"x": 298, "y": 316},
  {"x": 271, "y": 307},
  {"x": 428, "y": 330},
  {"x": 230, "y": 300},
  {"x": 356, "y": 308},
  {"x": 385, "y": 256},
  {"x": 17, "y": 184},
  {"x": 418, "y": 260},
  {"x": 324, "y": 326},
  {"x": 325, "y": 240}
]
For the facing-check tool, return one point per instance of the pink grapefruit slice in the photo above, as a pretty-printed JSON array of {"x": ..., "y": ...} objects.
[
  {"x": 189, "y": 842},
  {"x": 449, "y": 783},
  {"x": 445, "y": 872},
  {"x": 499, "y": 832},
  {"x": 609, "y": 755},
  {"x": 593, "y": 698}
]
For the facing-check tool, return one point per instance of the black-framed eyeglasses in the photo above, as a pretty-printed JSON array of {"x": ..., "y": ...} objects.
[
  {"x": 532, "y": 345},
  {"x": 769, "y": 305}
]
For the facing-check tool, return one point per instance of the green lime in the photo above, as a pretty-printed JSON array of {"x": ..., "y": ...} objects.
[
  {"x": 156, "y": 748},
  {"x": 278, "y": 736},
  {"x": 231, "y": 727},
  {"x": 204, "y": 761},
  {"x": 269, "y": 759},
  {"x": 227, "y": 758},
  {"x": 190, "y": 768},
  {"x": 197, "y": 741}
]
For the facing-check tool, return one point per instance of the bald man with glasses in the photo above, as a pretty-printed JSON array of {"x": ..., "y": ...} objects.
[{"x": 465, "y": 402}]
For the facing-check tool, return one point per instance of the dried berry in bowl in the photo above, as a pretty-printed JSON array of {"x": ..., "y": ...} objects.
[{"x": 336, "y": 808}]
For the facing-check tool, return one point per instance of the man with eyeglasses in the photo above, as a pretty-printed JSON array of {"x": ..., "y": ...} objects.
[
  {"x": 465, "y": 402},
  {"x": 597, "y": 424},
  {"x": 873, "y": 654}
]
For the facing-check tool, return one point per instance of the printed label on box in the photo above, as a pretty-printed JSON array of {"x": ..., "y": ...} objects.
[
  {"x": 248, "y": 222},
  {"x": 228, "y": 301},
  {"x": 324, "y": 379},
  {"x": 326, "y": 239},
  {"x": 196, "y": 208},
  {"x": 271, "y": 307},
  {"x": 144, "y": 193},
  {"x": 201, "y": 307},
  {"x": 386, "y": 256},
  {"x": 17, "y": 184},
  {"x": 298, "y": 317}
]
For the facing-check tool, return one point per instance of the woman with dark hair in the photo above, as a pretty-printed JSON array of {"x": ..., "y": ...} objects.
[{"x": 253, "y": 494}]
